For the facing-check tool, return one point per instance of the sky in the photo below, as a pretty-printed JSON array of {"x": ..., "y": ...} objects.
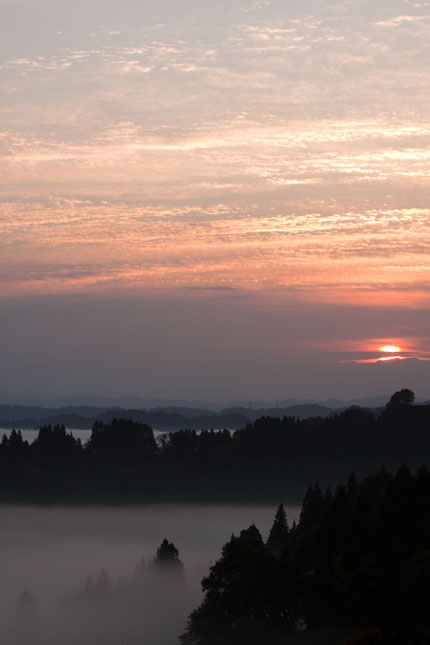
[{"x": 214, "y": 200}]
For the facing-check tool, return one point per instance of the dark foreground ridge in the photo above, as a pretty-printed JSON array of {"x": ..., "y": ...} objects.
[
  {"x": 355, "y": 571},
  {"x": 122, "y": 463}
]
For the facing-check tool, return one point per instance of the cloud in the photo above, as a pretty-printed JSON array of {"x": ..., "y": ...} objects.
[
  {"x": 232, "y": 152},
  {"x": 401, "y": 20}
]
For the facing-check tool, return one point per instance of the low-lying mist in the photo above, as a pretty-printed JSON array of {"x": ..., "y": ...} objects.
[{"x": 91, "y": 575}]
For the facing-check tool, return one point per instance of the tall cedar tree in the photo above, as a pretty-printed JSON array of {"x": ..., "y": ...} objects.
[{"x": 278, "y": 540}]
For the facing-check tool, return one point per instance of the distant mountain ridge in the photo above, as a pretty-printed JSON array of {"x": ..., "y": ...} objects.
[
  {"x": 86, "y": 402},
  {"x": 165, "y": 419}
]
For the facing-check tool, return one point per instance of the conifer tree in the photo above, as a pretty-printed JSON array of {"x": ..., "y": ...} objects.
[
  {"x": 328, "y": 498},
  {"x": 312, "y": 510},
  {"x": 352, "y": 488},
  {"x": 251, "y": 534},
  {"x": 167, "y": 557},
  {"x": 278, "y": 540}
]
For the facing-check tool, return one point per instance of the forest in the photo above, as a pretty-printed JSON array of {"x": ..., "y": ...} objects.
[
  {"x": 273, "y": 457},
  {"x": 354, "y": 570}
]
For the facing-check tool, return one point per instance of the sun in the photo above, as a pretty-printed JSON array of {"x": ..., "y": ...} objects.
[{"x": 389, "y": 349}]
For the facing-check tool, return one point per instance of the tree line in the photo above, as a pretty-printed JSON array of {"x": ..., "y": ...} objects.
[{"x": 123, "y": 463}]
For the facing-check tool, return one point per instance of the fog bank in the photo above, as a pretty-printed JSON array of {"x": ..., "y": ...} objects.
[{"x": 51, "y": 552}]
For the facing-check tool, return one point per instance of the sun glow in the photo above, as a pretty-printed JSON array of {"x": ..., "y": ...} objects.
[{"x": 389, "y": 349}]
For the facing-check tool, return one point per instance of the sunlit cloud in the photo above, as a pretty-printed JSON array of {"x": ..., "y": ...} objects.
[
  {"x": 270, "y": 150},
  {"x": 370, "y": 351},
  {"x": 401, "y": 20}
]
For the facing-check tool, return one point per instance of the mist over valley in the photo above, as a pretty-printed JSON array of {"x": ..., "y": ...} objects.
[{"x": 51, "y": 552}]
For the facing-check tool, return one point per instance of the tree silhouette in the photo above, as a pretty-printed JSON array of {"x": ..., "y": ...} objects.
[
  {"x": 27, "y": 630},
  {"x": 122, "y": 438},
  {"x": 278, "y": 540},
  {"x": 167, "y": 557},
  {"x": 249, "y": 597},
  {"x": 55, "y": 441},
  {"x": 312, "y": 510},
  {"x": 401, "y": 398}
]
